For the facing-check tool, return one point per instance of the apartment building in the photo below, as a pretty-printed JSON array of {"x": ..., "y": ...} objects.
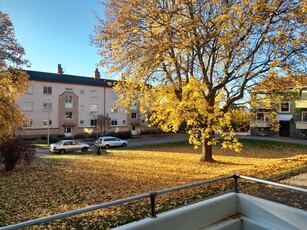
[
  {"x": 291, "y": 113},
  {"x": 70, "y": 105}
]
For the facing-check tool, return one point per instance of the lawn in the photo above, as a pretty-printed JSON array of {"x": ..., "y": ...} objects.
[{"x": 57, "y": 183}]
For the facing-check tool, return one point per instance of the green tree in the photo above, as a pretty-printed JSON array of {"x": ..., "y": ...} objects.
[
  {"x": 13, "y": 80},
  {"x": 199, "y": 56}
]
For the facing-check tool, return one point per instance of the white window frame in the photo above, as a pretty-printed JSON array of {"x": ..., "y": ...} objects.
[
  {"x": 47, "y": 106},
  {"x": 113, "y": 108},
  {"x": 93, "y": 122},
  {"x": 45, "y": 123},
  {"x": 30, "y": 89},
  {"x": 303, "y": 114},
  {"x": 68, "y": 116},
  {"x": 280, "y": 107},
  {"x": 94, "y": 93},
  {"x": 134, "y": 106},
  {"x": 304, "y": 95},
  {"x": 47, "y": 90},
  {"x": 266, "y": 119},
  {"x": 133, "y": 116},
  {"x": 114, "y": 123},
  {"x": 94, "y": 108},
  {"x": 69, "y": 102},
  {"x": 27, "y": 124},
  {"x": 27, "y": 106}
]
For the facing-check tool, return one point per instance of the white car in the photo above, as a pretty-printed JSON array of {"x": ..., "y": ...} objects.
[
  {"x": 64, "y": 146},
  {"x": 108, "y": 141}
]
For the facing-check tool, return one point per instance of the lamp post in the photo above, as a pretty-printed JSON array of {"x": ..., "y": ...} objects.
[{"x": 48, "y": 122}]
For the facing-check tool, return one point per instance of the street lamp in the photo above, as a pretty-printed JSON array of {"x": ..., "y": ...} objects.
[{"x": 48, "y": 122}]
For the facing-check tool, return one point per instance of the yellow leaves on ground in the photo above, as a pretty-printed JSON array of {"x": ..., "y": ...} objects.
[{"x": 58, "y": 183}]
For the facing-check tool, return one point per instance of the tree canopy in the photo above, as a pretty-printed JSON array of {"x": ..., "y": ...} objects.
[
  {"x": 190, "y": 60},
  {"x": 13, "y": 80}
]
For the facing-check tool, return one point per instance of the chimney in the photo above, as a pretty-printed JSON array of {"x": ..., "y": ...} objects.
[
  {"x": 60, "y": 70},
  {"x": 96, "y": 74}
]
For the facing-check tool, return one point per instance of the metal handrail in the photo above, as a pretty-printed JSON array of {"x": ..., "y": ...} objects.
[
  {"x": 274, "y": 183},
  {"x": 151, "y": 195}
]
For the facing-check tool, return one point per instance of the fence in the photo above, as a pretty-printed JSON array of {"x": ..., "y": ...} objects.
[{"x": 151, "y": 195}]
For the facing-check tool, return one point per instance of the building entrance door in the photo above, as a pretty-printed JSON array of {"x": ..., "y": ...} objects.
[
  {"x": 134, "y": 130},
  {"x": 68, "y": 132},
  {"x": 284, "y": 130}
]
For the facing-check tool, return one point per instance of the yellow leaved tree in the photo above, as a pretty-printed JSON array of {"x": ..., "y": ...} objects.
[
  {"x": 190, "y": 60},
  {"x": 13, "y": 80}
]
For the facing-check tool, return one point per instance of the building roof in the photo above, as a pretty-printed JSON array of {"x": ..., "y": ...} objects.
[{"x": 69, "y": 79}]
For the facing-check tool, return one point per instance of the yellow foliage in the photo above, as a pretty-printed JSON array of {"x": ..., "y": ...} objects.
[
  {"x": 57, "y": 183},
  {"x": 187, "y": 62}
]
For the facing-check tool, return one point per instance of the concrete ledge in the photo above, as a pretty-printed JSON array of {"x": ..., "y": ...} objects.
[
  {"x": 193, "y": 216},
  {"x": 217, "y": 214}
]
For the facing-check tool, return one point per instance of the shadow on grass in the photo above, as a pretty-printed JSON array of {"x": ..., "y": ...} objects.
[{"x": 252, "y": 148}]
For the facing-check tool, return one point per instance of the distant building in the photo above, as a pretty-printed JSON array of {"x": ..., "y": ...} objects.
[
  {"x": 71, "y": 104},
  {"x": 291, "y": 113}
]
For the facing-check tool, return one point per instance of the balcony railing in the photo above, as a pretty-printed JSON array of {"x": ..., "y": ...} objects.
[{"x": 152, "y": 196}]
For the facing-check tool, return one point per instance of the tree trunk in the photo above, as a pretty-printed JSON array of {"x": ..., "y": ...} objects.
[{"x": 206, "y": 151}]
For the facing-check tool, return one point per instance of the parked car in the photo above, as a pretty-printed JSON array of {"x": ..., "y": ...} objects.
[
  {"x": 68, "y": 146},
  {"x": 108, "y": 141}
]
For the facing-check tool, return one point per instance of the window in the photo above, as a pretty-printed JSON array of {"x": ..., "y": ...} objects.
[
  {"x": 304, "y": 116},
  {"x": 68, "y": 89},
  {"x": 124, "y": 121},
  {"x": 133, "y": 115},
  {"x": 27, "y": 106},
  {"x": 304, "y": 95},
  {"x": 93, "y": 122},
  {"x": 143, "y": 121},
  {"x": 28, "y": 124},
  {"x": 135, "y": 106},
  {"x": 45, "y": 122},
  {"x": 30, "y": 89},
  {"x": 114, "y": 95},
  {"x": 69, "y": 102},
  {"x": 47, "y": 90},
  {"x": 113, "y": 108},
  {"x": 82, "y": 91},
  {"x": 68, "y": 132},
  {"x": 262, "y": 117},
  {"x": 113, "y": 122},
  {"x": 68, "y": 115},
  {"x": 47, "y": 106},
  {"x": 94, "y": 93},
  {"x": 82, "y": 107},
  {"x": 284, "y": 107},
  {"x": 94, "y": 108},
  {"x": 81, "y": 122}
]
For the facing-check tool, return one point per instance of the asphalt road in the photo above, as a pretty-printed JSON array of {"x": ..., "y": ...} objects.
[{"x": 135, "y": 141}]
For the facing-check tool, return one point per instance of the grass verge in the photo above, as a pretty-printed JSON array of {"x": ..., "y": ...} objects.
[{"x": 58, "y": 183}]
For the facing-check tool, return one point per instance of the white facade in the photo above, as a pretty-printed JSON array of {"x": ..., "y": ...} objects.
[{"x": 74, "y": 103}]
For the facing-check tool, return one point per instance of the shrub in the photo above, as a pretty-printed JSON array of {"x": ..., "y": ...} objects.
[
  {"x": 13, "y": 150},
  {"x": 121, "y": 134},
  {"x": 82, "y": 135}
]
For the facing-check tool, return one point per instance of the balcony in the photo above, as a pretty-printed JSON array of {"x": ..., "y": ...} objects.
[
  {"x": 230, "y": 210},
  {"x": 301, "y": 104}
]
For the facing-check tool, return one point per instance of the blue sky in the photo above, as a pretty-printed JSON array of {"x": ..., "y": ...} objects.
[{"x": 56, "y": 32}]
